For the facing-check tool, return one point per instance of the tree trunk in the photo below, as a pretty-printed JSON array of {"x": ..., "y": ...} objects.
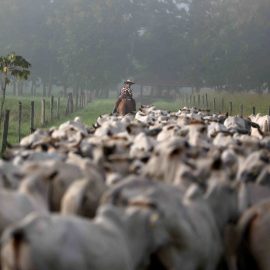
[
  {"x": 20, "y": 88},
  {"x": 32, "y": 88},
  {"x": 14, "y": 88},
  {"x": 3, "y": 98}
]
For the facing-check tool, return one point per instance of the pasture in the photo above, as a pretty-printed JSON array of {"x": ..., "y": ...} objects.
[
  {"x": 98, "y": 107},
  {"x": 150, "y": 187}
]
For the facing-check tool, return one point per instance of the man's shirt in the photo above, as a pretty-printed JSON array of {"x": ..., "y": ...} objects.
[{"x": 126, "y": 92}]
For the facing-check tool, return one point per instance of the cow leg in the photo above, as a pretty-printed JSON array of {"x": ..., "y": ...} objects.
[{"x": 134, "y": 105}]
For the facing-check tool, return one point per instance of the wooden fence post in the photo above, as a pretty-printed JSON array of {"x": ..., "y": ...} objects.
[
  {"x": 69, "y": 108},
  {"x": 222, "y": 105},
  {"x": 199, "y": 101},
  {"x": 20, "y": 121},
  {"x": 43, "y": 111},
  {"x": 214, "y": 108},
  {"x": 71, "y": 103},
  {"x": 5, "y": 131},
  {"x": 241, "y": 110},
  {"x": 76, "y": 100},
  {"x": 51, "y": 108},
  {"x": 58, "y": 108},
  {"x": 32, "y": 117},
  {"x": 254, "y": 110},
  {"x": 230, "y": 110},
  {"x": 206, "y": 100},
  {"x": 82, "y": 99}
]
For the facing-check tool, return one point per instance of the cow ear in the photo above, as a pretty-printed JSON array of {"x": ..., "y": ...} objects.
[
  {"x": 52, "y": 175},
  {"x": 175, "y": 152}
]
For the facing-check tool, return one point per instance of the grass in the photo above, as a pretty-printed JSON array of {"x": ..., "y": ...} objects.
[
  {"x": 249, "y": 100},
  {"x": 12, "y": 104},
  {"x": 90, "y": 113}
]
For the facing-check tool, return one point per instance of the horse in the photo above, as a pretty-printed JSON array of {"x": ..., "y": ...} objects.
[{"x": 125, "y": 106}]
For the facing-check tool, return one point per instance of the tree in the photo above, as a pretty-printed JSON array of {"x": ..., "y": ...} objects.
[{"x": 11, "y": 65}]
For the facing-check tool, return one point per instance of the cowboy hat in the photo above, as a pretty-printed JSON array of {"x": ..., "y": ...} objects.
[{"x": 129, "y": 82}]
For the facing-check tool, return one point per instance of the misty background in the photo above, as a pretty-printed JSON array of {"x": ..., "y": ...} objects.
[{"x": 165, "y": 44}]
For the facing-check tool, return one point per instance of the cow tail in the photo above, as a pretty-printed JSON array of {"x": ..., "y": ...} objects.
[{"x": 18, "y": 238}]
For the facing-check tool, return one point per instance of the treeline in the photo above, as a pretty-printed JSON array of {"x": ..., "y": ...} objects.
[{"x": 95, "y": 44}]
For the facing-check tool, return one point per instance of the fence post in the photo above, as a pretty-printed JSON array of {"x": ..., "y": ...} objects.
[
  {"x": 199, "y": 101},
  {"x": 222, "y": 105},
  {"x": 71, "y": 103},
  {"x": 203, "y": 100},
  {"x": 58, "y": 108},
  {"x": 42, "y": 118},
  {"x": 51, "y": 108},
  {"x": 5, "y": 131},
  {"x": 206, "y": 100},
  {"x": 241, "y": 110},
  {"x": 76, "y": 100},
  {"x": 32, "y": 117},
  {"x": 20, "y": 122},
  {"x": 230, "y": 112},
  {"x": 214, "y": 108},
  {"x": 194, "y": 101},
  {"x": 69, "y": 108},
  {"x": 253, "y": 110}
]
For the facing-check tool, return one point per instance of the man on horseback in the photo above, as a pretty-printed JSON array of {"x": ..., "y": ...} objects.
[{"x": 125, "y": 93}]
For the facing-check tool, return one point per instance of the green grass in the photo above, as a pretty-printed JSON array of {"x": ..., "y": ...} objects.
[
  {"x": 260, "y": 101},
  {"x": 172, "y": 106},
  {"x": 90, "y": 113},
  {"x": 12, "y": 104}
]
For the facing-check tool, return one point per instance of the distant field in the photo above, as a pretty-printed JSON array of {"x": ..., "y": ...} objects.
[
  {"x": 99, "y": 107},
  {"x": 260, "y": 101}
]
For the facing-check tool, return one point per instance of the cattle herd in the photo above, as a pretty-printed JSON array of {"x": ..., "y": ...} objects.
[{"x": 151, "y": 190}]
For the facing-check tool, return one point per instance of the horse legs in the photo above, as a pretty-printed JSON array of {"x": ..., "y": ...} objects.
[
  {"x": 133, "y": 105},
  {"x": 116, "y": 105}
]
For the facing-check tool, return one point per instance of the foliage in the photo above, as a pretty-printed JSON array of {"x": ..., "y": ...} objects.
[
  {"x": 96, "y": 44},
  {"x": 11, "y": 65}
]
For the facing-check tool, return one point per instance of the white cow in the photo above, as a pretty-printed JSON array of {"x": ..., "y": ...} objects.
[{"x": 116, "y": 239}]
